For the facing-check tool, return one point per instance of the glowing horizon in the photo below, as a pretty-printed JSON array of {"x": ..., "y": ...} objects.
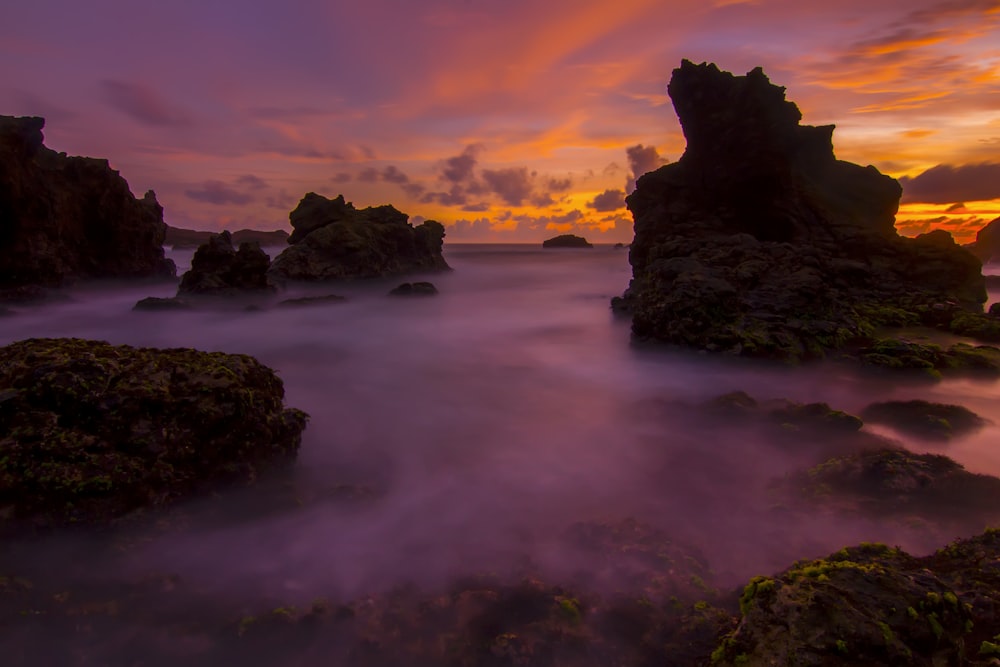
[{"x": 508, "y": 122}]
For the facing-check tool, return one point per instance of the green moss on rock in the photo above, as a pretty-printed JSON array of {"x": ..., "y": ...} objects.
[{"x": 92, "y": 431}]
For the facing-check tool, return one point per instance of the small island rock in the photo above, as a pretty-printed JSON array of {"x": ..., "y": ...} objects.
[{"x": 567, "y": 241}]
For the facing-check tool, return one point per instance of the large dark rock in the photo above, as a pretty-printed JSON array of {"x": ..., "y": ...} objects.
[
  {"x": 65, "y": 218},
  {"x": 567, "y": 241},
  {"x": 874, "y": 605},
  {"x": 925, "y": 420},
  {"x": 218, "y": 269},
  {"x": 91, "y": 431},
  {"x": 759, "y": 242},
  {"x": 331, "y": 239}
]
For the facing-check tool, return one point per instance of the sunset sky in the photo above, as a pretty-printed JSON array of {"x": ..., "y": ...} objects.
[{"x": 507, "y": 120}]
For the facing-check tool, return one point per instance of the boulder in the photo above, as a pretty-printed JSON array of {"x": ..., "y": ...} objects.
[
  {"x": 162, "y": 303},
  {"x": 90, "y": 432},
  {"x": 923, "y": 419},
  {"x": 874, "y": 605},
  {"x": 924, "y": 489},
  {"x": 68, "y": 218},
  {"x": 332, "y": 240},
  {"x": 414, "y": 289},
  {"x": 218, "y": 269},
  {"x": 567, "y": 241},
  {"x": 759, "y": 242}
]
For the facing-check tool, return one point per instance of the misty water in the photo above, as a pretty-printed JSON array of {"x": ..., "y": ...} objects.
[{"x": 464, "y": 433}]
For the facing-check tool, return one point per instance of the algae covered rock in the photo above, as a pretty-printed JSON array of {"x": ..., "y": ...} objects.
[
  {"x": 91, "y": 431},
  {"x": 873, "y": 605},
  {"x": 331, "y": 240},
  {"x": 567, "y": 241},
  {"x": 923, "y": 419},
  {"x": 68, "y": 218},
  {"x": 759, "y": 242}
]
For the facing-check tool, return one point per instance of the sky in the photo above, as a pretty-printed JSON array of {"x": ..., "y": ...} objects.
[{"x": 507, "y": 120}]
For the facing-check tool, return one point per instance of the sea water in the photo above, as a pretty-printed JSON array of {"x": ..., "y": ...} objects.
[{"x": 477, "y": 425}]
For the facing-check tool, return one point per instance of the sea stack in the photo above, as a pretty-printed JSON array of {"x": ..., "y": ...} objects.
[
  {"x": 333, "y": 240},
  {"x": 759, "y": 242}
]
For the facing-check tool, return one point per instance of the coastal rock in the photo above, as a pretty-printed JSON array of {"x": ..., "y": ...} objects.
[
  {"x": 567, "y": 241},
  {"x": 218, "y": 269},
  {"x": 759, "y": 242},
  {"x": 414, "y": 289},
  {"x": 923, "y": 488},
  {"x": 923, "y": 419},
  {"x": 874, "y": 605},
  {"x": 90, "y": 431},
  {"x": 190, "y": 238},
  {"x": 68, "y": 218},
  {"x": 331, "y": 239},
  {"x": 162, "y": 303}
]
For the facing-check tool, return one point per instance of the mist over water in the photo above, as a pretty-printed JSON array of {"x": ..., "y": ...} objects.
[{"x": 466, "y": 432}]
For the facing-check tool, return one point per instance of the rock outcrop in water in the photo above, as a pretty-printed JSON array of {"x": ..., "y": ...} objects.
[
  {"x": 91, "y": 431},
  {"x": 331, "y": 239},
  {"x": 67, "y": 218},
  {"x": 218, "y": 269},
  {"x": 567, "y": 241},
  {"x": 759, "y": 242}
]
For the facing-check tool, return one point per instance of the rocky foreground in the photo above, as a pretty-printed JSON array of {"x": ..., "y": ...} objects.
[
  {"x": 759, "y": 242},
  {"x": 90, "y": 432},
  {"x": 69, "y": 218},
  {"x": 632, "y": 596}
]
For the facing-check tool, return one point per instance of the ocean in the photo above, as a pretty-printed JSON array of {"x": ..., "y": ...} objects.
[{"x": 463, "y": 433}]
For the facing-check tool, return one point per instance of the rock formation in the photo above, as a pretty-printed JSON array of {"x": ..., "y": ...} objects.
[
  {"x": 874, "y": 605},
  {"x": 218, "y": 269},
  {"x": 421, "y": 288},
  {"x": 66, "y": 218},
  {"x": 190, "y": 238},
  {"x": 331, "y": 239},
  {"x": 925, "y": 420},
  {"x": 567, "y": 241},
  {"x": 759, "y": 242},
  {"x": 91, "y": 431},
  {"x": 987, "y": 244}
]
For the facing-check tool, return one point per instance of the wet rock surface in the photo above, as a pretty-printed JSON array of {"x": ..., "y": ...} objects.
[
  {"x": 92, "y": 431},
  {"x": 70, "y": 218},
  {"x": 332, "y": 240},
  {"x": 759, "y": 242}
]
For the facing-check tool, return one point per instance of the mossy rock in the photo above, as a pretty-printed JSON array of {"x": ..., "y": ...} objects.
[
  {"x": 93, "y": 431},
  {"x": 923, "y": 419},
  {"x": 872, "y": 605}
]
